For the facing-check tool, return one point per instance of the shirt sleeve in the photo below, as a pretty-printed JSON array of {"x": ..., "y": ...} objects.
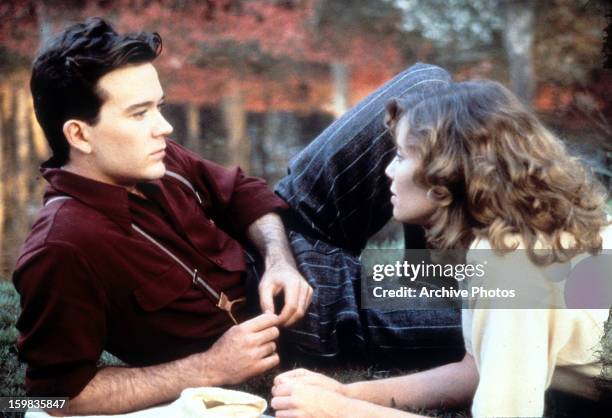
[
  {"x": 511, "y": 349},
  {"x": 237, "y": 199},
  {"x": 242, "y": 199},
  {"x": 62, "y": 324}
]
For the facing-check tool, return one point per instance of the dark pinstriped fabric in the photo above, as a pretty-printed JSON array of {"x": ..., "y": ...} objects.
[{"x": 339, "y": 197}]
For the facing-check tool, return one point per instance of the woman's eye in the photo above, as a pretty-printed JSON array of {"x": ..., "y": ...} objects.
[
  {"x": 140, "y": 114},
  {"x": 398, "y": 156}
]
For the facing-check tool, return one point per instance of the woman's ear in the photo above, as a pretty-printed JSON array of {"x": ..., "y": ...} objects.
[
  {"x": 75, "y": 132},
  {"x": 394, "y": 111}
]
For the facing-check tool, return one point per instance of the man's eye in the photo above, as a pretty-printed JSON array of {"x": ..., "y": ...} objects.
[
  {"x": 139, "y": 114},
  {"x": 398, "y": 156}
]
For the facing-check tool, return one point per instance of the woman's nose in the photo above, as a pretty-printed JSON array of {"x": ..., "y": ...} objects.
[{"x": 390, "y": 169}]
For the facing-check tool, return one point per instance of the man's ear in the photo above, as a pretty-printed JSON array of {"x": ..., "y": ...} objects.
[{"x": 76, "y": 133}]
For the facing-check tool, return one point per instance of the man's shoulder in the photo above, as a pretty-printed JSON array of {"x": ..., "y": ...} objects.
[
  {"x": 65, "y": 225},
  {"x": 204, "y": 175}
]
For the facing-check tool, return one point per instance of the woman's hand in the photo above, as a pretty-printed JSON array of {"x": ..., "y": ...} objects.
[
  {"x": 306, "y": 377},
  {"x": 293, "y": 398}
]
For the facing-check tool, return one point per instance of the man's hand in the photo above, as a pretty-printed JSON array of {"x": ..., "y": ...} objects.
[
  {"x": 244, "y": 351},
  {"x": 296, "y": 290},
  {"x": 281, "y": 275}
]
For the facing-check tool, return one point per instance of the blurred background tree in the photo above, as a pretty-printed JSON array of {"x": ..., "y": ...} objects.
[{"x": 251, "y": 82}]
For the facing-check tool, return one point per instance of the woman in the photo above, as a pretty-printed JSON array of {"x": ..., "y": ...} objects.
[{"x": 479, "y": 171}]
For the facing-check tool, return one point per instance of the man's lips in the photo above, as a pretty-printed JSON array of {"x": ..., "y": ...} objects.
[{"x": 159, "y": 153}]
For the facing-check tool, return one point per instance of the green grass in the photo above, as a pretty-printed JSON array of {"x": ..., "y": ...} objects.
[
  {"x": 345, "y": 373},
  {"x": 12, "y": 372}
]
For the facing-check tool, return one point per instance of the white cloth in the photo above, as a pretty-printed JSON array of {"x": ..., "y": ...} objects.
[
  {"x": 168, "y": 410},
  {"x": 520, "y": 353},
  {"x": 188, "y": 405},
  {"x": 165, "y": 411}
]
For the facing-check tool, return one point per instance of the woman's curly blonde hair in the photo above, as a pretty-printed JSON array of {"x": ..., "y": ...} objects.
[{"x": 497, "y": 173}]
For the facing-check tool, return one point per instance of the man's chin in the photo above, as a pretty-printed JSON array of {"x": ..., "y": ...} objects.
[{"x": 157, "y": 172}]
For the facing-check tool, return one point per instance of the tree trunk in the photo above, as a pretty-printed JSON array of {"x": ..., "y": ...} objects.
[
  {"x": 194, "y": 141},
  {"x": 234, "y": 118},
  {"x": 340, "y": 88},
  {"x": 10, "y": 195},
  {"x": 518, "y": 37},
  {"x": 45, "y": 26},
  {"x": 39, "y": 143},
  {"x": 23, "y": 167},
  {"x": 3, "y": 176},
  {"x": 271, "y": 137}
]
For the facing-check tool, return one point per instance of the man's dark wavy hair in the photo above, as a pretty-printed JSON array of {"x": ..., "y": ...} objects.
[{"x": 65, "y": 75}]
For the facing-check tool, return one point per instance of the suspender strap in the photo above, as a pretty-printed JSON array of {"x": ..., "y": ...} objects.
[
  {"x": 185, "y": 182},
  {"x": 223, "y": 302},
  {"x": 55, "y": 199}
]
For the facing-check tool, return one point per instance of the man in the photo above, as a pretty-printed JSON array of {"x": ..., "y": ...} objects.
[
  {"x": 126, "y": 255},
  {"x": 139, "y": 249}
]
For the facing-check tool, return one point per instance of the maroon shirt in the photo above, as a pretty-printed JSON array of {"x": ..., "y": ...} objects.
[{"x": 89, "y": 282}]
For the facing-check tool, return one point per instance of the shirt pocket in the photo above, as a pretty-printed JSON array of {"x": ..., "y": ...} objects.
[{"x": 163, "y": 289}]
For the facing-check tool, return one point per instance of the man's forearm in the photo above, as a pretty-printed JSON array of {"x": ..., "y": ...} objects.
[
  {"x": 281, "y": 275},
  {"x": 449, "y": 385},
  {"x": 243, "y": 351},
  {"x": 116, "y": 390},
  {"x": 270, "y": 238}
]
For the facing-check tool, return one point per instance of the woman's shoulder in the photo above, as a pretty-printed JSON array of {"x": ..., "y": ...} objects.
[
  {"x": 480, "y": 243},
  {"x": 510, "y": 240},
  {"x": 606, "y": 235},
  {"x": 482, "y": 249},
  {"x": 515, "y": 241}
]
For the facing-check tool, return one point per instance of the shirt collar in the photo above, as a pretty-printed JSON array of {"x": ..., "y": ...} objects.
[{"x": 111, "y": 200}]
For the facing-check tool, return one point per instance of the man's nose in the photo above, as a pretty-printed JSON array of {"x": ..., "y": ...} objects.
[{"x": 162, "y": 126}]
